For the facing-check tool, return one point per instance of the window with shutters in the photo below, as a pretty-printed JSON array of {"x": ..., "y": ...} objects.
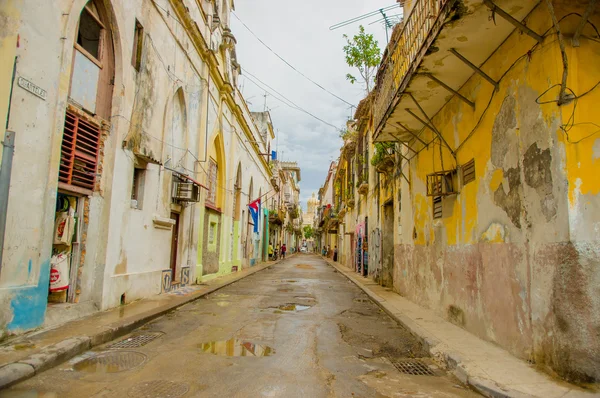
[
  {"x": 79, "y": 152},
  {"x": 468, "y": 172},
  {"x": 211, "y": 198},
  {"x": 138, "y": 42},
  {"x": 437, "y": 207}
]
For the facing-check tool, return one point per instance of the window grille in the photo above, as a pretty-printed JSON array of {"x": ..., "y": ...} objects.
[
  {"x": 441, "y": 183},
  {"x": 79, "y": 152}
]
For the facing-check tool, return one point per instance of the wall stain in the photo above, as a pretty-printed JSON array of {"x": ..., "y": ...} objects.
[
  {"x": 536, "y": 168},
  {"x": 510, "y": 202}
]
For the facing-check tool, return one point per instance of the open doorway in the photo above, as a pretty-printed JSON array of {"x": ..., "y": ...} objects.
[
  {"x": 66, "y": 248},
  {"x": 387, "y": 246},
  {"x": 174, "y": 245}
]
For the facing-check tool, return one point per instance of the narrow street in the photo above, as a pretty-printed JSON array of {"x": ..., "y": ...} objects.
[{"x": 297, "y": 329}]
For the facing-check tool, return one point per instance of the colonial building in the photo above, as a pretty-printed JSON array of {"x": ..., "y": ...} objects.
[
  {"x": 473, "y": 174},
  {"x": 135, "y": 155}
]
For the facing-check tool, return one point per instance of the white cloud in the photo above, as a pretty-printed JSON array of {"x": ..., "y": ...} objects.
[{"x": 299, "y": 32}]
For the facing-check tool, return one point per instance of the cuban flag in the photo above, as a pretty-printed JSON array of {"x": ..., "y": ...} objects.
[{"x": 254, "y": 208}]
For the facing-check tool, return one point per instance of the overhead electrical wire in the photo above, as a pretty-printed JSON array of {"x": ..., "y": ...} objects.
[
  {"x": 286, "y": 101},
  {"x": 364, "y": 16},
  {"x": 289, "y": 64}
]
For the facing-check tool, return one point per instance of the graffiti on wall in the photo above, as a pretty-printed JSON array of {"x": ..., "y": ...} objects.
[{"x": 375, "y": 253}]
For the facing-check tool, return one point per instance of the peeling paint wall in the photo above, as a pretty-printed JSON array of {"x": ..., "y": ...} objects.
[
  {"x": 159, "y": 117},
  {"x": 515, "y": 258}
]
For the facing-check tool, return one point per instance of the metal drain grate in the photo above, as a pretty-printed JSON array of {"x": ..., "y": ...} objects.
[
  {"x": 111, "y": 362},
  {"x": 137, "y": 340},
  {"x": 158, "y": 389},
  {"x": 412, "y": 367}
]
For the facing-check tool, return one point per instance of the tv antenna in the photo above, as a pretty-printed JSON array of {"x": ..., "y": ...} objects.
[{"x": 389, "y": 20}]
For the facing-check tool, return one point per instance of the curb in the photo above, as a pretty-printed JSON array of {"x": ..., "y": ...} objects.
[
  {"x": 435, "y": 348},
  {"x": 55, "y": 354}
]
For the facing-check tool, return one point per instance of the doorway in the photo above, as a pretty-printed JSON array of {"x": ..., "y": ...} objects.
[
  {"x": 387, "y": 246},
  {"x": 174, "y": 244},
  {"x": 66, "y": 248}
]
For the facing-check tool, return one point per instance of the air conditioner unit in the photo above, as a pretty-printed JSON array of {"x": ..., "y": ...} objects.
[{"x": 186, "y": 192}]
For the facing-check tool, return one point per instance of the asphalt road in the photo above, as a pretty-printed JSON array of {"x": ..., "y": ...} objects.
[{"x": 297, "y": 329}]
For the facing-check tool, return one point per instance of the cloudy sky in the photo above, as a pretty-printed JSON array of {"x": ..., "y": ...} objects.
[{"x": 298, "y": 31}]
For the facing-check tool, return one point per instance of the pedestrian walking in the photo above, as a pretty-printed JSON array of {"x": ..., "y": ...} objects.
[
  {"x": 270, "y": 250},
  {"x": 335, "y": 253},
  {"x": 283, "y": 250}
]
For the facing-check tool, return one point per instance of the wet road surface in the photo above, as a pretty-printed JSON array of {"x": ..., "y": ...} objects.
[{"x": 297, "y": 329}]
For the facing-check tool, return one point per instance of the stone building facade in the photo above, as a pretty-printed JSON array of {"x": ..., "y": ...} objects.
[{"x": 130, "y": 126}]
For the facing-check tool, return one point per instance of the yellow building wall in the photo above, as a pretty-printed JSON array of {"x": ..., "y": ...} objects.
[{"x": 517, "y": 249}]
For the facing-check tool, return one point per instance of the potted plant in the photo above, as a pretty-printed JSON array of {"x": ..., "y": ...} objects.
[{"x": 383, "y": 159}]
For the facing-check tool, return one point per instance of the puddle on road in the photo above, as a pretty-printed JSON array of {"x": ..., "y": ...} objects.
[
  {"x": 110, "y": 362},
  {"x": 305, "y": 266},
  {"x": 292, "y": 307},
  {"x": 29, "y": 394},
  {"x": 305, "y": 298},
  {"x": 236, "y": 348},
  {"x": 23, "y": 346}
]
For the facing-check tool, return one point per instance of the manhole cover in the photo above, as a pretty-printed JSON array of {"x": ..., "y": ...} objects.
[
  {"x": 111, "y": 362},
  {"x": 362, "y": 300},
  {"x": 412, "y": 367},
  {"x": 137, "y": 341},
  {"x": 158, "y": 389}
]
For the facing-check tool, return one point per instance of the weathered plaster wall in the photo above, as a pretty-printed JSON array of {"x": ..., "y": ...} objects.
[
  {"x": 159, "y": 112},
  {"x": 27, "y": 248},
  {"x": 515, "y": 257}
]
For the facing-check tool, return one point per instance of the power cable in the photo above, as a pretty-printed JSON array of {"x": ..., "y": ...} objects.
[
  {"x": 290, "y": 65},
  {"x": 287, "y": 102}
]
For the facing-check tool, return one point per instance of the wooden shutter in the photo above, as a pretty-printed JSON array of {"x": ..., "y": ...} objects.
[
  {"x": 437, "y": 207},
  {"x": 212, "y": 182},
  {"x": 79, "y": 152},
  {"x": 468, "y": 170}
]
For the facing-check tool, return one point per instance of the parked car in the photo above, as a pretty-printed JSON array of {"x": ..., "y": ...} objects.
[{"x": 303, "y": 249}]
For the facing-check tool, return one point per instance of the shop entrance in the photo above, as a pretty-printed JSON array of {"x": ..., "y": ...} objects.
[{"x": 66, "y": 248}]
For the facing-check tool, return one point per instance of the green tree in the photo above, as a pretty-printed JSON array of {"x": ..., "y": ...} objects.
[
  {"x": 308, "y": 232},
  {"x": 362, "y": 52}
]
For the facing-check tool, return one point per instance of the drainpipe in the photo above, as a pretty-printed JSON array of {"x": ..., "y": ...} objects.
[
  {"x": 5, "y": 172},
  {"x": 6, "y": 168}
]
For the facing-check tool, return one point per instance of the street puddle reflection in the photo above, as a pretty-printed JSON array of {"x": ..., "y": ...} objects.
[
  {"x": 293, "y": 307},
  {"x": 237, "y": 348}
]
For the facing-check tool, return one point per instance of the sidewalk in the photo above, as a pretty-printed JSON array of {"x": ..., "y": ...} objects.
[
  {"x": 488, "y": 368},
  {"x": 35, "y": 352}
]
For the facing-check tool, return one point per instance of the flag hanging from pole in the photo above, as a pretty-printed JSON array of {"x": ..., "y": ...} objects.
[{"x": 254, "y": 208}]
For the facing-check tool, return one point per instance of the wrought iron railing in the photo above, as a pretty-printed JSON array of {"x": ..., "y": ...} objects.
[{"x": 405, "y": 50}]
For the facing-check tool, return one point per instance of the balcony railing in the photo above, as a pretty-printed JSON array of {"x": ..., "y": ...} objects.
[{"x": 405, "y": 52}]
